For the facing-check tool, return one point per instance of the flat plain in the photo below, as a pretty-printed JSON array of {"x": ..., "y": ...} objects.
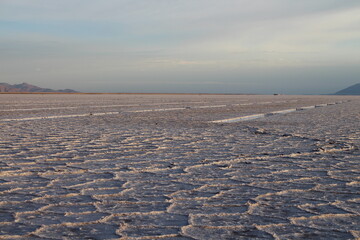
[{"x": 144, "y": 166}]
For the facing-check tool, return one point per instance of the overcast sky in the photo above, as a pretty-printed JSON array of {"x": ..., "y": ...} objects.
[{"x": 227, "y": 46}]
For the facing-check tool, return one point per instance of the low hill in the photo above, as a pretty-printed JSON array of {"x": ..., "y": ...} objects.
[
  {"x": 352, "y": 90},
  {"x": 25, "y": 87}
]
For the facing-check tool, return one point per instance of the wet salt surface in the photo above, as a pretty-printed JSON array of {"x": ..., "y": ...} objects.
[{"x": 147, "y": 173}]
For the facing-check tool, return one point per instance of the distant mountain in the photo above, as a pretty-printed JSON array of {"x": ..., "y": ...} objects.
[
  {"x": 352, "y": 90},
  {"x": 25, "y": 87}
]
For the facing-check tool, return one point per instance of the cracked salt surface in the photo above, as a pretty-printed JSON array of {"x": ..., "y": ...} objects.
[{"x": 159, "y": 172}]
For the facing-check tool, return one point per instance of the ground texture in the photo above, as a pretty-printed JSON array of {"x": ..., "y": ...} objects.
[{"x": 159, "y": 167}]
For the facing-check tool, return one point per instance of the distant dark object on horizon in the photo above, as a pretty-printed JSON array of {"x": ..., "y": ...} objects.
[
  {"x": 25, "y": 87},
  {"x": 352, "y": 90}
]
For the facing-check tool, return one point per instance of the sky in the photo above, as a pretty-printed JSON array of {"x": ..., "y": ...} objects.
[{"x": 191, "y": 46}]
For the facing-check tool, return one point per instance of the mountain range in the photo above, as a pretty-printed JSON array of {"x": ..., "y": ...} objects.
[
  {"x": 25, "y": 87},
  {"x": 28, "y": 88},
  {"x": 352, "y": 90}
]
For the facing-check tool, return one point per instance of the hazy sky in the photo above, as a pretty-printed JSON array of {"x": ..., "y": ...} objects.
[{"x": 230, "y": 46}]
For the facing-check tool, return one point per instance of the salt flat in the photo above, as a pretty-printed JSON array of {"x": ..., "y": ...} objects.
[{"x": 179, "y": 167}]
